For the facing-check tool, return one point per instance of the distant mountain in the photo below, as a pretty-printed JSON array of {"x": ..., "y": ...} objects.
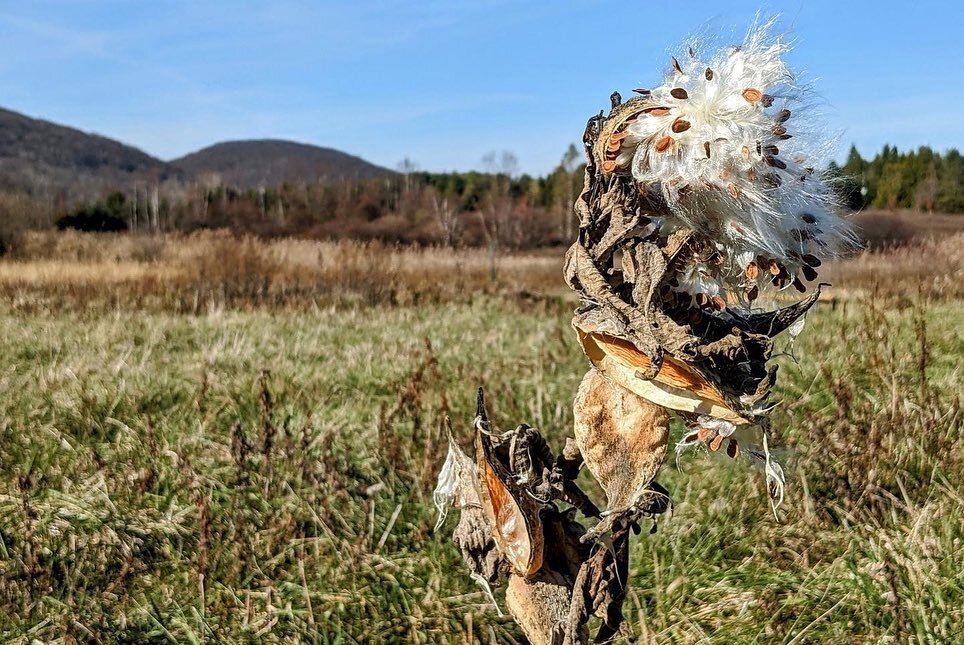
[
  {"x": 51, "y": 160},
  {"x": 271, "y": 162}
]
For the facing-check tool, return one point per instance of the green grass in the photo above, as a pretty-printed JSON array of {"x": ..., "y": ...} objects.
[{"x": 263, "y": 474}]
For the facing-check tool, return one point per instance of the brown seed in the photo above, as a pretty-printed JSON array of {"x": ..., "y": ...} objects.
[
  {"x": 706, "y": 148},
  {"x": 772, "y": 179},
  {"x": 691, "y": 438},
  {"x": 771, "y": 150},
  {"x": 779, "y": 282},
  {"x": 783, "y": 115},
  {"x": 809, "y": 273},
  {"x": 657, "y": 111},
  {"x": 642, "y": 90},
  {"x": 613, "y": 146},
  {"x": 663, "y": 144},
  {"x": 811, "y": 260},
  {"x": 733, "y": 449},
  {"x": 609, "y": 165},
  {"x": 734, "y": 190},
  {"x": 619, "y": 136},
  {"x": 784, "y": 137},
  {"x": 798, "y": 285},
  {"x": 703, "y": 434},
  {"x": 774, "y": 267},
  {"x": 676, "y": 65},
  {"x": 766, "y": 100},
  {"x": 719, "y": 303},
  {"x": 751, "y": 175},
  {"x": 680, "y": 125},
  {"x": 808, "y": 218},
  {"x": 702, "y": 299},
  {"x": 752, "y": 293},
  {"x": 776, "y": 162},
  {"x": 725, "y": 174},
  {"x": 779, "y": 130},
  {"x": 708, "y": 74},
  {"x": 745, "y": 150},
  {"x": 752, "y": 271},
  {"x": 752, "y": 94},
  {"x": 716, "y": 443},
  {"x": 679, "y": 93}
]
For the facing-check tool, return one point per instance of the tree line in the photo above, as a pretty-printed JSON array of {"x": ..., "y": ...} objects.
[
  {"x": 921, "y": 179},
  {"x": 496, "y": 207}
]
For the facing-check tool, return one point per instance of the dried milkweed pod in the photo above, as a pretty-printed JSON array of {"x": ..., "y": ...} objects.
[
  {"x": 513, "y": 515},
  {"x": 676, "y": 386},
  {"x": 622, "y": 438}
]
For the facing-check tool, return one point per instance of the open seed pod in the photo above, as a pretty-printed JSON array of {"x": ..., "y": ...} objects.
[
  {"x": 675, "y": 386},
  {"x": 513, "y": 514}
]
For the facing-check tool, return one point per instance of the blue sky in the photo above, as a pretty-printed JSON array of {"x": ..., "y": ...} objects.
[{"x": 445, "y": 82}]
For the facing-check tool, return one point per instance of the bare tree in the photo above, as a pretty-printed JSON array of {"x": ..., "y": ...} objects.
[
  {"x": 496, "y": 212},
  {"x": 446, "y": 216}
]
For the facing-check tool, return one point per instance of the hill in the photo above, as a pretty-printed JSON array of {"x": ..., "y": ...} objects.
[
  {"x": 51, "y": 160},
  {"x": 271, "y": 162}
]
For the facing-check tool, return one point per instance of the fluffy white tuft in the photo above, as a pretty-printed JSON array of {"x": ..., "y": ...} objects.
[{"x": 726, "y": 144}]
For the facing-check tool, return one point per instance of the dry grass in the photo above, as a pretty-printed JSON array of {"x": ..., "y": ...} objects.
[
  {"x": 198, "y": 272},
  {"x": 193, "y": 273},
  {"x": 261, "y": 469}
]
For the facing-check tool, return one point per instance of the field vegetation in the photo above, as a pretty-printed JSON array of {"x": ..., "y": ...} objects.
[{"x": 208, "y": 437}]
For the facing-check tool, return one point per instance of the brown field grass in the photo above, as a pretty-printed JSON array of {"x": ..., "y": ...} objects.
[{"x": 201, "y": 271}]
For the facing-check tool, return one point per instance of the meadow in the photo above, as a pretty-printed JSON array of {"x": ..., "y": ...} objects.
[{"x": 209, "y": 438}]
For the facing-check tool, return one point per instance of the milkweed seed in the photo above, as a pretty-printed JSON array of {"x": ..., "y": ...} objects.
[
  {"x": 775, "y": 162},
  {"x": 663, "y": 144},
  {"x": 752, "y": 94},
  {"x": 779, "y": 130},
  {"x": 716, "y": 443},
  {"x": 703, "y": 434},
  {"x": 708, "y": 74},
  {"x": 808, "y": 218},
  {"x": 609, "y": 165},
  {"x": 811, "y": 260},
  {"x": 719, "y": 303},
  {"x": 809, "y": 273},
  {"x": 706, "y": 148},
  {"x": 783, "y": 115},
  {"x": 766, "y": 100},
  {"x": 657, "y": 111},
  {"x": 733, "y": 449},
  {"x": 752, "y": 271},
  {"x": 680, "y": 125},
  {"x": 676, "y": 65},
  {"x": 679, "y": 93}
]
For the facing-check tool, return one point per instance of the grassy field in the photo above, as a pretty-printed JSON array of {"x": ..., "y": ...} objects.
[{"x": 240, "y": 445}]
